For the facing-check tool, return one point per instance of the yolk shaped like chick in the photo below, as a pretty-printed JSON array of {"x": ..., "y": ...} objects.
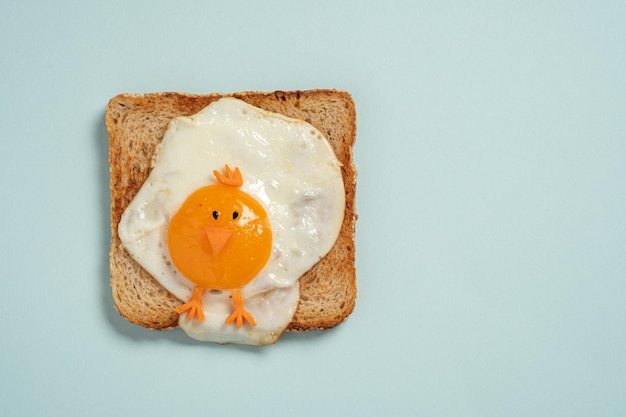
[{"x": 220, "y": 238}]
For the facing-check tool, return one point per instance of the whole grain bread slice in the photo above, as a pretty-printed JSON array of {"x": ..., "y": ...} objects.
[{"x": 136, "y": 124}]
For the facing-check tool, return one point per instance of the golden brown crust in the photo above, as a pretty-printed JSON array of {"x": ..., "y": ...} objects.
[{"x": 136, "y": 124}]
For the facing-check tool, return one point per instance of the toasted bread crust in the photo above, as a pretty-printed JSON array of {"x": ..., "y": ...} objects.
[{"x": 136, "y": 124}]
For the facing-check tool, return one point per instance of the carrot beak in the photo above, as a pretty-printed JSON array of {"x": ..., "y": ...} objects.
[{"x": 218, "y": 238}]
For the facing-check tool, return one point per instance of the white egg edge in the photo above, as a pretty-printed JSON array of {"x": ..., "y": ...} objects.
[
  {"x": 271, "y": 322},
  {"x": 144, "y": 223}
]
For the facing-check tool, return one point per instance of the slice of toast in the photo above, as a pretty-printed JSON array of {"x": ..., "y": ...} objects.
[{"x": 136, "y": 124}]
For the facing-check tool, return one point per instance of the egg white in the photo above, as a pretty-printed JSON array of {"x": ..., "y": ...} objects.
[{"x": 286, "y": 164}]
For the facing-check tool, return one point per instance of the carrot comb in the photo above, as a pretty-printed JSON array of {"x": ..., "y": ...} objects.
[{"x": 230, "y": 177}]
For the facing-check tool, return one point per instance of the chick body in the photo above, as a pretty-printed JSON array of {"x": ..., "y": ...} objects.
[{"x": 220, "y": 238}]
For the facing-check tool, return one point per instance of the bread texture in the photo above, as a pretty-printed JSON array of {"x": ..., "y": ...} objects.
[{"x": 136, "y": 124}]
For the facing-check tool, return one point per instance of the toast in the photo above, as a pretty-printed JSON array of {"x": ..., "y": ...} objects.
[{"x": 136, "y": 124}]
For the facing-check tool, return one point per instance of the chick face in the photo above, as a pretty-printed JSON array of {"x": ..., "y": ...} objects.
[{"x": 220, "y": 238}]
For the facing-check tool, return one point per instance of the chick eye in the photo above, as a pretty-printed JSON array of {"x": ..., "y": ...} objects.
[
  {"x": 235, "y": 214},
  {"x": 215, "y": 214}
]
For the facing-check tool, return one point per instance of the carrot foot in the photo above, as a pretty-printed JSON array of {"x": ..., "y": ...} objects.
[
  {"x": 194, "y": 306},
  {"x": 240, "y": 314}
]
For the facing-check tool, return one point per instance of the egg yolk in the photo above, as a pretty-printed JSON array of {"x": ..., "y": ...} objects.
[{"x": 220, "y": 238}]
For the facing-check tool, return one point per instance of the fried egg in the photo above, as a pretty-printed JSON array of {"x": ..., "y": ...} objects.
[{"x": 288, "y": 167}]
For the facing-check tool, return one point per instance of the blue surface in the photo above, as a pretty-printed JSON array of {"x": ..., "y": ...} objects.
[{"x": 491, "y": 243}]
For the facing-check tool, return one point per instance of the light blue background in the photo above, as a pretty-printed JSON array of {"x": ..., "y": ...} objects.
[{"x": 491, "y": 243}]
